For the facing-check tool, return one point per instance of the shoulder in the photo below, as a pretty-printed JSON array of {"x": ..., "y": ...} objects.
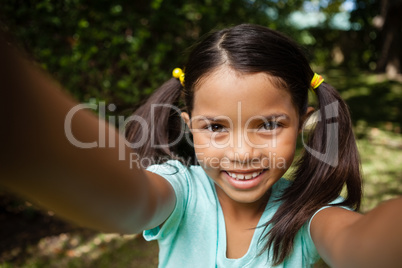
[
  {"x": 194, "y": 193},
  {"x": 185, "y": 180},
  {"x": 327, "y": 227}
]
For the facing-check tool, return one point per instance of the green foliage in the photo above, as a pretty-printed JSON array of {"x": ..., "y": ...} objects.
[
  {"x": 120, "y": 51},
  {"x": 362, "y": 17}
]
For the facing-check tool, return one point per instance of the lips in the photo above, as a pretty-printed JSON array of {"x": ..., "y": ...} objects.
[
  {"x": 245, "y": 180},
  {"x": 244, "y": 176}
]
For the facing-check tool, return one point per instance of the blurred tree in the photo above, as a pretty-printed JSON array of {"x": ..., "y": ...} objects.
[
  {"x": 381, "y": 27},
  {"x": 119, "y": 50},
  {"x": 389, "y": 23}
]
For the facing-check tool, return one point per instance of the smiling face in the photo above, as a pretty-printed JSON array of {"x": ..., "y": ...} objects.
[{"x": 244, "y": 130}]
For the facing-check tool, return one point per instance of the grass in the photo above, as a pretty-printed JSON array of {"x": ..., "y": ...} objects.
[
  {"x": 381, "y": 164},
  {"x": 375, "y": 105},
  {"x": 76, "y": 250}
]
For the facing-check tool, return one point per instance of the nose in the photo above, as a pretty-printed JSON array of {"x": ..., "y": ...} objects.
[{"x": 241, "y": 149}]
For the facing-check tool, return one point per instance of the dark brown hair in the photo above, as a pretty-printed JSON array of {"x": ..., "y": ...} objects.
[{"x": 252, "y": 49}]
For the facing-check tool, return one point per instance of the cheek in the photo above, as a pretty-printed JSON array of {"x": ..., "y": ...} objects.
[
  {"x": 207, "y": 154},
  {"x": 210, "y": 144},
  {"x": 287, "y": 142},
  {"x": 284, "y": 150}
]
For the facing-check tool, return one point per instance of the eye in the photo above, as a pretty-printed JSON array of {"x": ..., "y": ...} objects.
[
  {"x": 215, "y": 128},
  {"x": 270, "y": 126}
]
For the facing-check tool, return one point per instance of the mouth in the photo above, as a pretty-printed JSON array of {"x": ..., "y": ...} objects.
[
  {"x": 245, "y": 180},
  {"x": 245, "y": 175}
]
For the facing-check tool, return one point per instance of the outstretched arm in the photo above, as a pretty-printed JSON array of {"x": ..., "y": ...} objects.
[
  {"x": 347, "y": 239},
  {"x": 91, "y": 187}
]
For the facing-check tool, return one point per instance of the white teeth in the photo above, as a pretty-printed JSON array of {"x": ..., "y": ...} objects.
[{"x": 238, "y": 176}]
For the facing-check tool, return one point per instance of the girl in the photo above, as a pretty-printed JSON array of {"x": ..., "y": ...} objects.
[{"x": 222, "y": 201}]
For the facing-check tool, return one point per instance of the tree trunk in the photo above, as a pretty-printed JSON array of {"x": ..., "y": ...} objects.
[{"x": 390, "y": 24}]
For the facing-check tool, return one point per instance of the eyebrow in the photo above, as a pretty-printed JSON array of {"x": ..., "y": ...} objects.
[
  {"x": 225, "y": 118},
  {"x": 274, "y": 116},
  {"x": 211, "y": 118}
]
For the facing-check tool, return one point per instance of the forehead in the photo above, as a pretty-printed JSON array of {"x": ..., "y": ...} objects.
[{"x": 227, "y": 92}]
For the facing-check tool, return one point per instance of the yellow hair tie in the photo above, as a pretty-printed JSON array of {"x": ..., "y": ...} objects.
[
  {"x": 316, "y": 81},
  {"x": 179, "y": 74}
]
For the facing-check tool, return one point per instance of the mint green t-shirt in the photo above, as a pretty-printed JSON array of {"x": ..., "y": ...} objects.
[{"x": 194, "y": 235}]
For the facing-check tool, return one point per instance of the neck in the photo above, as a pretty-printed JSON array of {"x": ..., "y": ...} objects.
[{"x": 241, "y": 211}]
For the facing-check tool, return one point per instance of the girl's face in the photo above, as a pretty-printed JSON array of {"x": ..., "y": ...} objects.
[{"x": 244, "y": 130}]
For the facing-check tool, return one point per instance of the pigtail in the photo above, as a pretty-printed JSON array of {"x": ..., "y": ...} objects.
[
  {"x": 156, "y": 131},
  {"x": 329, "y": 161}
]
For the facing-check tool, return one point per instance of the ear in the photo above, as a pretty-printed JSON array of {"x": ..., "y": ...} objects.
[
  {"x": 304, "y": 117},
  {"x": 186, "y": 119}
]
